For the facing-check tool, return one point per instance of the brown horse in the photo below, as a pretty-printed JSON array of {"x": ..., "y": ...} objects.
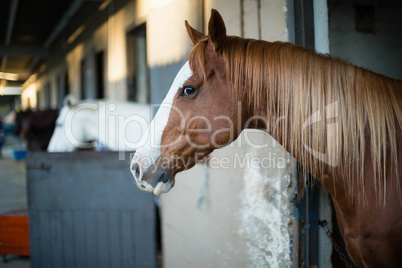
[
  {"x": 341, "y": 122},
  {"x": 36, "y": 127}
]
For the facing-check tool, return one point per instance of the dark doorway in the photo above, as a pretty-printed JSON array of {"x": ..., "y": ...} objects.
[
  {"x": 100, "y": 84},
  {"x": 137, "y": 67}
]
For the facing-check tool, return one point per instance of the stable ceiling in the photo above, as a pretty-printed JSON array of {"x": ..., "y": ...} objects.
[{"x": 28, "y": 30}]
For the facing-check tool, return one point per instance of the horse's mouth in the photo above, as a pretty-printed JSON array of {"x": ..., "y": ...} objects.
[
  {"x": 163, "y": 187},
  {"x": 163, "y": 184},
  {"x": 160, "y": 188}
]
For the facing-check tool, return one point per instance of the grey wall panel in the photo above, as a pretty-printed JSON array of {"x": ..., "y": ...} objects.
[{"x": 85, "y": 211}]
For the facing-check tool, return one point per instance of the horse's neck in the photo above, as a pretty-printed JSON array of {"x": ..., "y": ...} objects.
[
  {"x": 332, "y": 138},
  {"x": 293, "y": 137}
]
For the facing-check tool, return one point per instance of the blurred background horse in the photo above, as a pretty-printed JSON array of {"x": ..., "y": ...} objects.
[
  {"x": 111, "y": 125},
  {"x": 36, "y": 127}
]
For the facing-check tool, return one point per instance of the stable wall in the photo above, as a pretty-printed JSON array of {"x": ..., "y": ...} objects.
[
  {"x": 167, "y": 49},
  {"x": 377, "y": 45}
]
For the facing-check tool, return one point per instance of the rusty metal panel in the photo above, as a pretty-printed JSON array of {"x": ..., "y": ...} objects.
[{"x": 85, "y": 211}]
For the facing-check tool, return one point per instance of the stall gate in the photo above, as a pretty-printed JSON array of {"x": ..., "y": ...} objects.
[{"x": 85, "y": 211}]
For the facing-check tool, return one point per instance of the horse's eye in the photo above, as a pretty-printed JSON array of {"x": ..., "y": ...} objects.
[{"x": 188, "y": 91}]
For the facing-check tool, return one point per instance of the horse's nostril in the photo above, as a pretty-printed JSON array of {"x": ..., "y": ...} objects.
[
  {"x": 134, "y": 165},
  {"x": 135, "y": 169},
  {"x": 163, "y": 178}
]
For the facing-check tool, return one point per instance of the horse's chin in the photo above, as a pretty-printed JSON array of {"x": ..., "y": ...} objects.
[{"x": 163, "y": 187}]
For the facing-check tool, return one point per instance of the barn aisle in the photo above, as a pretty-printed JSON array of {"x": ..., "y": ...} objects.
[
  {"x": 13, "y": 185},
  {"x": 12, "y": 179},
  {"x": 13, "y": 196}
]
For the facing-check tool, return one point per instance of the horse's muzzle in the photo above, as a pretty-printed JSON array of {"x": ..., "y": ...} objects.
[{"x": 150, "y": 178}]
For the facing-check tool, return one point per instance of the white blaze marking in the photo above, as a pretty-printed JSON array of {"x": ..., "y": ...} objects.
[{"x": 147, "y": 154}]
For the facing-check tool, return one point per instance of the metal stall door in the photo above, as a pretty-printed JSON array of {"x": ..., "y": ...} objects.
[{"x": 85, "y": 211}]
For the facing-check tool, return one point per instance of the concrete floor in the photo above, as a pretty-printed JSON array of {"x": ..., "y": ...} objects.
[
  {"x": 15, "y": 262},
  {"x": 12, "y": 185},
  {"x": 13, "y": 194}
]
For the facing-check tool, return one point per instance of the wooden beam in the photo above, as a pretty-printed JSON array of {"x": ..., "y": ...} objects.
[{"x": 18, "y": 51}]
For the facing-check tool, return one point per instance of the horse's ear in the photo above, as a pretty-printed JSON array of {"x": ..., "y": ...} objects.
[
  {"x": 193, "y": 33},
  {"x": 70, "y": 100},
  {"x": 216, "y": 30}
]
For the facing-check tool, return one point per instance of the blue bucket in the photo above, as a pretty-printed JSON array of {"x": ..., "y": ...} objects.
[{"x": 19, "y": 154}]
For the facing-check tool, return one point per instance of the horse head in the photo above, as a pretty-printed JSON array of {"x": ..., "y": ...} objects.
[
  {"x": 59, "y": 141},
  {"x": 199, "y": 114}
]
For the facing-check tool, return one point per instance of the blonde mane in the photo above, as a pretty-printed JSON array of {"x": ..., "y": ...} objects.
[{"x": 294, "y": 83}]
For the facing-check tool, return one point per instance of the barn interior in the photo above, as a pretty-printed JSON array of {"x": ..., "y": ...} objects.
[{"x": 131, "y": 50}]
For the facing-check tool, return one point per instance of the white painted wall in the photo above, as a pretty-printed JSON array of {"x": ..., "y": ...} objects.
[{"x": 244, "y": 220}]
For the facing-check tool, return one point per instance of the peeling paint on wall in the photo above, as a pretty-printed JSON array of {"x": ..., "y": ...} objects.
[{"x": 265, "y": 212}]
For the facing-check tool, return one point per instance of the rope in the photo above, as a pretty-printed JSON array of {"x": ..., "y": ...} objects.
[{"x": 204, "y": 189}]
